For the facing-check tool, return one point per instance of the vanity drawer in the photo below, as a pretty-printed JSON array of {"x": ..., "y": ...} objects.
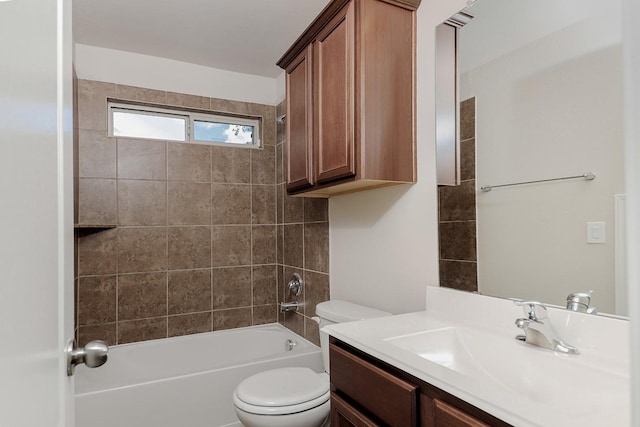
[
  {"x": 389, "y": 398},
  {"x": 450, "y": 416}
]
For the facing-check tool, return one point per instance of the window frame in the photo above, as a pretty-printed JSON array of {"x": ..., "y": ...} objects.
[{"x": 190, "y": 117}]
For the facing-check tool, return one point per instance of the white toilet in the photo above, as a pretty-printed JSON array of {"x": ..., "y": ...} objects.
[{"x": 296, "y": 397}]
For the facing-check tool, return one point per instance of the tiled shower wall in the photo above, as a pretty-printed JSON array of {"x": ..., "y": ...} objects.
[
  {"x": 303, "y": 247},
  {"x": 457, "y": 212},
  {"x": 199, "y": 232}
]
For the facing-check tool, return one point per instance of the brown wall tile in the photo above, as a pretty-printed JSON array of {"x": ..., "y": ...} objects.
[
  {"x": 316, "y": 291},
  {"x": 188, "y": 203},
  {"x": 293, "y": 245},
  {"x": 134, "y": 93},
  {"x": 104, "y": 332},
  {"x": 97, "y": 201},
  {"x": 293, "y": 209},
  {"x": 265, "y": 282},
  {"x": 92, "y": 104},
  {"x": 231, "y": 165},
  {"x": 96, "y": 154},
  {"x": 231, "y": 287},
  {"x": 468, "y": 159},
  {"x": 142, "y": 330},
  {"x": 142, "y": 159},
  {"x": 263, "y": 165},
  {"x": 316, "y": 210},
  {"x": 461, "y": 275},
  {"x": 457, "y": 208},
  {"x": 142, "y": 249},
  {"x": 233, "y": 318},
  {"x": 263, "y": 204},
  {"x": 166, "y": 227},
  {"x": 280, "y": 244},
  {"x": 458, "y": 240},
  {"x": 280, "y": 195},
  {"x": 295, "y": 322},
  {"x": 190, "y": 101},
  {"x": 142, "y": 202},
  {"x": 269, "y": 126},
  {"x": 229, "y": 106},
  {"x": 186, "y": 324},
  {"x": 188, "y": 162},
  {"x": 97, "y": 300},
  {"x": 263, "y": 244},
  {"x": 468, "y": 119},
  {"x": 316, "y": 246},
  {"x": 279, "y": 164},
  {"x": 231, "y": 245},
  {"x": 98, "y": 252},
  {"x": 142, "y": 295},
  {"x": 189, "y": 291},
  {"x": 280, "y": 290},
  {"x": 263, "y": 314},
  {"x": 230, "y": 204},
  {"x": 189, "y": 247},
  {"x": 312, "y": 331},
  {"x": 458, "y": 203}
]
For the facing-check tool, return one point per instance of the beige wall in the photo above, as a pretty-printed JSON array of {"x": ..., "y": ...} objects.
[
  {"x": 384, "y": 243},
  {"x": 196, "y": 228}
]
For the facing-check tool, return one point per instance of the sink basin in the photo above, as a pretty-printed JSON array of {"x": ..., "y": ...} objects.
[
  {"x": 448, "y": 348},
  {"x": 529, "y": 372}
]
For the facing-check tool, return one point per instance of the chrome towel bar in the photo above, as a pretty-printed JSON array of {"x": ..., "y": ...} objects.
[{"x": 587, "y": 176}]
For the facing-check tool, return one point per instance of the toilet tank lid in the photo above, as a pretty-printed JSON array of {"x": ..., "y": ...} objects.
[{"x": 343, "y": 311}]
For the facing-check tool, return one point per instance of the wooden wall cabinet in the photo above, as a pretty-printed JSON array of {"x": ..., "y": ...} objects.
[
  {"x": 350, "y": 82},
  {"x": 367, "y": 392}
]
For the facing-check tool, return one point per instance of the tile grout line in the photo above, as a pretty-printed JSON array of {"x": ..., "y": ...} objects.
[
  {"x": 166, "y": 235},
  {"x": 117, "y": 337}
]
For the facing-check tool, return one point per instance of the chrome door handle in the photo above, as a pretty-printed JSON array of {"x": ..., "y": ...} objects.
[{"x": 93, "y": 354}]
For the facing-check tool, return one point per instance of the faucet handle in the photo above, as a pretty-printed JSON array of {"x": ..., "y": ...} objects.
[
  {"x": 534, "y": 310},
  {"x": 580, "y": 301}
]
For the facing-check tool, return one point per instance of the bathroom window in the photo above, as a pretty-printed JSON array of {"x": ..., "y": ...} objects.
[{"x": 140, "y": 121}]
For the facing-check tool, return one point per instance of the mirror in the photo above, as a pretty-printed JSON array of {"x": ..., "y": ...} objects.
[{"x": 541, "y": 89}]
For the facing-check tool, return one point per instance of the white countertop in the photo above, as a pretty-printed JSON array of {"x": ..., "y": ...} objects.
[{"x": 593, "y": 392}]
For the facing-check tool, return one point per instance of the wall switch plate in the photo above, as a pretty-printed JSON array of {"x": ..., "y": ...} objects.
[{"x": 596, "y": 232}]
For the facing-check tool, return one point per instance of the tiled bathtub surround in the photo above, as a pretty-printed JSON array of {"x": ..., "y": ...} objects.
[
  {"x": 457, "y": 211},
  {"x": 195, "y": 243},
  {"x": 303, "y": 247}
]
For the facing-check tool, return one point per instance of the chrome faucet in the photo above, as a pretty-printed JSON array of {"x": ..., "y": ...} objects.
[{"x": 537, "y": 328}]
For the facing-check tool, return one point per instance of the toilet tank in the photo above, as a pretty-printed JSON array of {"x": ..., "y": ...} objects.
[{"x": 336, "y": 311}]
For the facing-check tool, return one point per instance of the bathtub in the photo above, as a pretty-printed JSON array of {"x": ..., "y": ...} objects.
[{"x": 184, "y": 381}]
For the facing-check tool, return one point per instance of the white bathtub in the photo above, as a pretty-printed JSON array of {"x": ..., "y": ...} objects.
[{"x": 184, "y": 381}]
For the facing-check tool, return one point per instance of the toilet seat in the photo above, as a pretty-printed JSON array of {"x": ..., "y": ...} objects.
[{"x": 282, "y": 391}]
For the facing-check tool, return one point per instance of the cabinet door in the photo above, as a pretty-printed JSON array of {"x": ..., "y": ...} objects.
[
  {"x": 345, "y": 415},
  {"x": 389, "y": 398},
  {"x": 334, "y": 87},
  {"x": 299, "y": 119}
]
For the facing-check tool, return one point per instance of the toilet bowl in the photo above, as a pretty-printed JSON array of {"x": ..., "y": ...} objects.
[{"x": 296, "y": 396}]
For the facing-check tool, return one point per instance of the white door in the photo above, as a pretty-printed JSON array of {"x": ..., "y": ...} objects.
[{"x": 36, "y": 212}]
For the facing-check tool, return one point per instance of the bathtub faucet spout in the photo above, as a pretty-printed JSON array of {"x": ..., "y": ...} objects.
[{"x": 288, "y": 306}]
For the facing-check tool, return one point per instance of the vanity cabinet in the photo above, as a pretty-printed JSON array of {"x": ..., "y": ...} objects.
[
  {"x": 350, "y": 109},
  {"x": 367, "y": 392}
]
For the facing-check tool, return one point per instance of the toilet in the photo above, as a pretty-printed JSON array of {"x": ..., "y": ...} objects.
[{"x": 296, "y": 397}]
